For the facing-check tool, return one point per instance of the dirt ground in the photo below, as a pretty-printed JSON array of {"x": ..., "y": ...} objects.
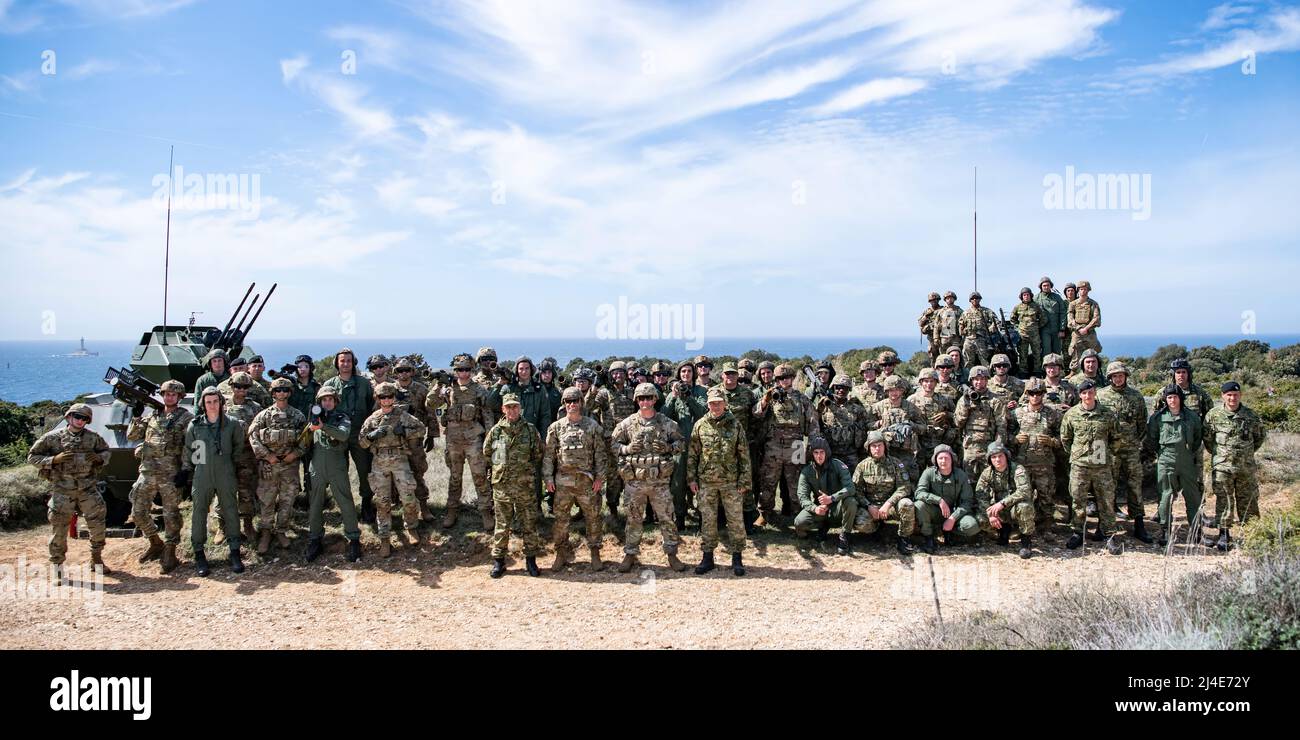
[{"x": 440, "y": 595}]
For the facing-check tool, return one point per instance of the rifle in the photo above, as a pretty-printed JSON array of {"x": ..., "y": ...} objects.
[
  {"x": 1010, "y": 338},
  {"x": 133, "y": 390},
  {"x": 814, "y": 382}
]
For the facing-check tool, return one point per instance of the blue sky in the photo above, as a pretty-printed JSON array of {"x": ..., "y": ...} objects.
[{"x": 504, "y": 169}]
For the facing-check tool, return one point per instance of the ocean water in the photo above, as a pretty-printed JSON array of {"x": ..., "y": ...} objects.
[{"x": 35, "y": 370}]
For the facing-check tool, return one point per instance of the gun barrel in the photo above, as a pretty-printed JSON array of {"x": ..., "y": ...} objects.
[
  {"x": 269, "y": 293},
  {"x": 236, "y": 313}
]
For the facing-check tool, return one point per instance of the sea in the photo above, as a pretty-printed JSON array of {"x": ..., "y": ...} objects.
[{"x": 39, "y": 370}]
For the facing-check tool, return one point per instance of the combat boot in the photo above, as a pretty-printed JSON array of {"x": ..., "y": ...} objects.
[
  {"x": 629, "y": 561},
  {"x": 314, "y": 549},
  {"x": 928, "y": 544},
  {"x": 737, "y": 567},
  {"x": 680, "y": 521},
  {"x": 706, "y": 564},
  {"x": 264, "y": 542},
  {"x": 402, "y": 538},
  {"x": 249, "y": 534},
  {"x": 385, "y": 547},
  {"x": 562, "y": 558},
  {"x": 1004, "y": 536},
  {"x": 282, "y": 540},
  {"x": 596, "y": 563},
  {"x": 416, "y": 538},
  {"x": 844, "y": 547},
  {"x": 1026, "y": 547},
  {"x": 1076, "y": 539},
  {"x": 1140, "y": 532},
  {"x": 823, "y": 531},
  {"x": 425, "y": 514},
  {"x": 449, "y": 518},
  {"x": 97, "y": 558},
  {"x": 1223, "y": 544},
  {"x": 498, "y": 567},
  {"x": 354, "y": 550},
  {"x": 904, "y": 546},
  {"x": 1096, "y": 534},
  {"x": 169, "y": 561},
  {"x": 155, "y": 549},
  {"x": 674, "y": 563},
  {"x": 201, "y": 564},
  {"x": 236, "y": 563},
  {"x": 530, "y": 564}
]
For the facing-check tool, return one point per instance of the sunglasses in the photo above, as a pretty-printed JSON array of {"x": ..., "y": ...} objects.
[
  {"x": 1035, "y": 393},
  {"x": 462, "y": 369},
  {"x": 647, "y": 399},
  {"x": 1002, "y": 364},
  {"x": 240, "y": 386},
  {"x": 405, "y": 370},
  {"x": 388, "y": 395},
  {"x": 660, "y": 375},
  {"x": 566, "y": 403},
  {"x": 704, "y": 367},
  {"x": 80, "y": 416},
  {"x": 281, "y": 390}
]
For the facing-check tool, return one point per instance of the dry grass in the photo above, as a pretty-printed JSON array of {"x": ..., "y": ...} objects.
[{"x": 22, "y": 497}]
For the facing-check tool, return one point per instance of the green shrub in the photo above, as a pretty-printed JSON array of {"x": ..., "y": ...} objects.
[{"x": 1275, "y": 531}]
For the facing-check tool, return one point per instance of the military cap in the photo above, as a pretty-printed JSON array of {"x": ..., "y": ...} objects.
[
  {"x": 1230, "y": 386},
  {"x": 211, "y": 391},
  {"x": 1116, "y": 367},
  {"x": 874, "y": 437},
  {"x": 1052, "y": 359},
  {"x": 893, "y": 382},
  {"x": 571, "y": 394},
  {"x": 826, "y": 365},
  {"x": 256, "y": 359},
  {"x": 979, "y": 371},
  {"x": 952, "y": 349},
  {"x": 172, "y": 386},
  {"x": 746, "y": 364},
  {"x": 635, "y": 371},
  {"x": 866, "y": 365},
  {"x": 244, "y": 379},
  {"x": 404, "y": 362},
  {"x": 84, "y": 410},
  {"x": 304, "y": 358},
  {"x": 1087, "y": 384},
  {"x": 214, "y": 354},
  {"x": 703, "y": 360},
  {"x": 1067, "y": 287},
  {"x": 461, "y": 362},
  {"x": 766, "y": 365},
  {"x": 1085, "y": 284},
  {"x": 677, "y": 371},
  {"x": 996, "y": 448},
  {"x": 617, "y": 365},
  {"x": 888, "y": 357},
  {"x": 547, "y": 364},
  {"x": 510, "y": 399},
  {"x": 385, "y": 389},
  {"x": 485, "y": 353},
  {"x": 934, "y": 456},
  {"x": 817, "y": 442},
  {"x": 841, "y": 380},
  {"x": 932, "y": 297},
  {"x": 1090, "y": 352},
  {"x": 645, "y": 390},
  {"x": 729, "y": 367},
  {"x": 239, "y": 362},
  {"x": 1034, "y": 385},
  {"x": 746, "y": 376},
  {"x": 783, "y": 371},
  {"x": 376, "y": 361},
  {"x": 1045, "y": 279},
  {"x": 716, "y": 393},
  {"x": 585, "y": 373},
  {"x": 283, "y": 384},
  {"x": 326, "y": 390},
  {"x": 944, "y": 361},
  {"x": 522, "y": 359},
  {"x": 1180, "y": 363},
  {"x": 929, "y": 373},
  {"x": 976, "y": 294},
  {"x": 662, "y": 367},
  {"x": 949, "y": 294},
  {"x": 1024, "y": 291},
  {"x": 1173, "y": 389},
  {"x": 1000, "y": 359}
]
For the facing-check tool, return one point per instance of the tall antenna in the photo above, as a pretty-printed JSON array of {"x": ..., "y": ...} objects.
[
  {"x": 167, "y": 253},
  {"x": 975, "y": 208}
]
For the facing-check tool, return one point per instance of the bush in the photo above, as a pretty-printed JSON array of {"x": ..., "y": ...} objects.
[
  {"x": 22, "y": 497},
  {"x": 1241, "y": 354},
  {"x": 1161, "y": 358},
  {"x": 1275, "y": 531}
]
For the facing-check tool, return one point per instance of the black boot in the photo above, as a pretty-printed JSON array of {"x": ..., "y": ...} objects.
[
  {"x": 354, "y": 550},
  {"x": 236, "y": 564},
  {"x": 844, "y": 547},
  {"x": 1225, "y": 540},
  {"x": 1004, "y": 536},
  {"x": 530, "y": 564},
  {"x": 201, "y": 563},
  {"x": 1076, "y": 539},
  {"x": 706, "y": 564},
  {"x": 1140, "y": 531},
  {"x": 903, "y": 545},
  {"x": 498, "y": 568},
  {"x": 314, "y": 549},
  {"x": 1026, "y": 547},
  {"x": 1096, "y": 535},
  {"x": 737, "y": 567},
  {"x": 928, "y": 545}
]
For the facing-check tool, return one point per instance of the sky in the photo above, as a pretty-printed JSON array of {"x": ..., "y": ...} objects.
[{"x": 425, "y": 168}]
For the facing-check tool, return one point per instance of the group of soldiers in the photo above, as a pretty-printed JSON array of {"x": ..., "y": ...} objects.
[{"x": 967, "y": 451}]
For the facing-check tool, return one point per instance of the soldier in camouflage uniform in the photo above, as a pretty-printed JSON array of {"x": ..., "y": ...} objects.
[
  {"x": 883, "y": 487},
  {"x": 412, "y": 397},
  {"x": 718, "y": 472},
  {"x": 1029, "y": 319},
  {"x": 388, "y": 433},
  {"x": 926, "y": 323},
  {"x": 331, "y": 430},
  {"x": 704, "y": 372},
  {"x": 596, "y": 402},
  {"x": 277, "y": 441},
  {"x": 162, "y": 443},
  {"x": 686, "y": 403},
  {"x": 574, "y": 466},
  {"x": 1004, "y": 496},
  {"x": 824, "y": 372},
  {"x": 946, "y": 324},
  {"x": 980, "y": 418},
  {"x": 515, "y": 449},
  {"x": 945, "y": 501},
  {"x": 215, "y": 450},
  {"x": 535, "y": 405},
  {"x": 937, "y": 411},
  {"x": 1088, "y": 433},
  {"x": 623, "y": 402},
  {"x": 826, "y": 497},
  {"x": 1130, "y": 410},
  {"x": 1054, "y": 310},
  {"x": 1004, "y": 386},
  {"x": 869, "y": 391},
  {"x": 465, "y": 409},
  {"x": 1233, "y": 433},
  {"x": 486, "y": 374},
  {"x": 844, "y": 421},
  {"x": 889, "y": 362},
  {"x": 788, "y": 419},
  {"x": 1058, "y": 392},
  {"x": 766, "y": 377},
  {"x": 947, "y": 384},
  {"x": 1084, "y": 320},
  {"x": 242, "y": 409},
  {"x": 1037, "y": 428},
  {"x": 645, "y": 444},
  {"x": 253, "y": 391},
  {"x": 740, "y": 402},
  {"x": 303, "y": 398},
  {"x": 977, "y": 325},
  {"x": 1089, "y": 369},
  {"x": 377, "y": 367},
  {"x": 70, "y": 459},
  {"x": 1174, "y": 437},
  {"x": 960, "y": 372},
  {"x": 901, "y": 422}
]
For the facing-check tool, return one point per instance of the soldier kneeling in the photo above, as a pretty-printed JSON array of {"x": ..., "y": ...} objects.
[
  {"x": 883, "y": 488},
  {"x": 1004, "y": 496},
  {"x": 944, "y": 498},
  {"x": 827, "y": 496}
]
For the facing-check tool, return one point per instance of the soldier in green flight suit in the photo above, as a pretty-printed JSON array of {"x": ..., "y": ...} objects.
[
  {"x": 331, "y": 429},
  {"x": 1174, "y": 437}
]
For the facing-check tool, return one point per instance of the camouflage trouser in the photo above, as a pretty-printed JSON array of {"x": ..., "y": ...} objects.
[
  {"x": 64, "y": 502},
  {"x": 462, "y": 448},
  {"x": 1042, "y": 479},
  {"x": 1172, "y": 479},
  {"x": 904, "y": 511},
  {"x": 277, "y": 487},
  {"x": 1099, "y": 481},
  {"x": 777, "y": 470},
  {"x": 1021, "y": 515},
  {"x": 975, "y": 351},
  {"x": 708, "y": 500},
  {"x": 975, "y": 458},
  {"x": 159, "y": 483},
  {"x": 387, "y": 474},
  {"x": 636, "y": 495},
  {"x": 1029, "y": 353},
  {"x": 516, "y": 511},
  {"x": 1126, "y": 466},
  {"x": 613, "y": 489},
  {"x": 568, "y": 491},
  {"x": 930, "y": 518},
  {"x": 1078, "y": 344},
  {"x": 330, "y": 468},
  {"x": 843, "y": 513},
  {"x": 935, "y": 349},
  {"x": 199, "y": 517},
  {"x": 1235, "y": 495}
]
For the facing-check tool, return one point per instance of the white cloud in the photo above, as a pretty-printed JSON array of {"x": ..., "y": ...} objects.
[
  {"x": 1280, "y": 31},
  {"x": 1226, "y": 15},
  {"x": 126, "y": 8},
  {"x": 90, "y": 68},
  {"x": 867, "y": 93},
  {"x": 289, "y": 68}
]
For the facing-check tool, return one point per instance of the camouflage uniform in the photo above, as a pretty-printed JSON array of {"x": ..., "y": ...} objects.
[
  {"x": 1089, "y": 436},
  {"x": 1006, "y": 388},
  {"x": 466, "y": 411},
  {"x": 926, "y": 323},
  {"x": 952, "y": 387},
  {"x": 879, "y": 483},
  {"x": 946, "y": 325},
  {"x": 645, "y": 449},
  {"x": 622, "y": 405},
  {"x": 257, "y": 393},
  {"x": 515, "y": 451},
  {"x": 1130, "y": 411},
  {"x": 979, "y": 419},
  {"x": 277, "y": 432},
  {"x": 740, "y": 402},
  {"x": 718, "y": 464},
  {"x": 845, "y": 426},
  {"x": 391, "y": 467},
  {"x": 902, "y": 425},
  {"x": 953, "y": 488},
  {"x": 162, "y": 443},
  {"x": 246, "y": 477},
  {"x": 412, "y": 399},
  {"x": 936, "y": 411},
  {"x": 977, "y": 326},
  {"x": 1012, "y": 489},
  {"x": 72, "y": 483},
  {"x": 576, "y": 456},
  {"x": 1028, "y": 319},
  {"x": 786, "y": 421},
  {"x": 1083, "y": 311},
  {"x": 1038, "y": 437},
  {"x": 1232, "y": 437}
]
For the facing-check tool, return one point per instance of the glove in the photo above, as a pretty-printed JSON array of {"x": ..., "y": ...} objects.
[
  {"x": 633, "y": 447},
  {"x": 377, "y": 433},
  {"x": 659, "y": 447},
  {"x": 182, "y": 478}
]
